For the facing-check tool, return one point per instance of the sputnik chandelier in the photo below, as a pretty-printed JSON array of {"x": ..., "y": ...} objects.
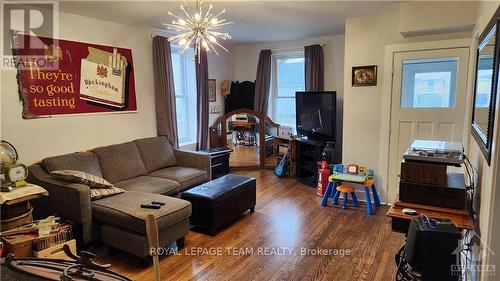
[{"x": 200, "y": 28}]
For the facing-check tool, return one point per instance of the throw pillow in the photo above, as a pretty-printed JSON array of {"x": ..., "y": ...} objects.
[
  {"x": 98, "y": 193},
  {"x": 81, "y": 177}
]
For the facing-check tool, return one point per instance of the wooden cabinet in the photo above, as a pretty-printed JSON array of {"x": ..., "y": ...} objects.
[{"x": 219, "y": 161}]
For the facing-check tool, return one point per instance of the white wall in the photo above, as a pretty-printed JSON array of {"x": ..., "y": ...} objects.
[
  {"x": 39, "y": 138},
  {"x": 366, "y": 127}
]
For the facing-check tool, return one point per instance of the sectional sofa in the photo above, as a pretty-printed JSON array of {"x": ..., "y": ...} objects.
[{"x": 147, "y": 169}]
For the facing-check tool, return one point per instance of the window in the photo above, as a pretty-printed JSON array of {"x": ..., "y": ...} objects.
[
  {"x": 429, "y": 83},
  {"x": 287, "y": 78},
  {"x": 185, "y": 95},
  {"x": 484, "y": 81}
]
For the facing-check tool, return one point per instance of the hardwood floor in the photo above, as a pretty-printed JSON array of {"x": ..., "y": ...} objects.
[
  {"x": 243, "y": 156},
  {"x": 288, "y": 214}
]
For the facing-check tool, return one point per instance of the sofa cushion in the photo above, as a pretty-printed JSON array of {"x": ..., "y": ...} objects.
[
  {"x": 124, "y": 210},
  {"x": 185, "y": 176},
  {"x": 150, "y": 185},
  {"x": 120, "y": 162},
  {"x": 156, "y": 152},
  {"x": 81, "y": 177},
  {"x": 80, "y": 161}
]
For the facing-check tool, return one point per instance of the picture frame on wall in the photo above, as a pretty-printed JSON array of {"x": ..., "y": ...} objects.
[
  {"x": 212, "y": 90},
  {"x": 364, "y": 76}
]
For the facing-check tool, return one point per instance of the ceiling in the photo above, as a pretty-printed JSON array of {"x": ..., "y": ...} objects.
[{"x": 254, "y": 21}]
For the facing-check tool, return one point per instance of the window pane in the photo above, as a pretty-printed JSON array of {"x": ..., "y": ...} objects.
[
  {"x": 429, "y": 83},
  {"x": 289, "y": 79},
  {"x": 484, "y": 81},
  {"x": 290, "y": 76},
  {"x": 185, "y": 95},
  {"x": 180, "y": 104},
  {"x": 177, "y": 67},
  {"x": 285, "y": 111}
]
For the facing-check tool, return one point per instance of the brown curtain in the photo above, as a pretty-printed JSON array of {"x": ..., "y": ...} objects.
[
  {"x": 314, "y": 68},
  {"x": 202, "y": 100},
  {"x": 263, "y": 82},
  {"x": 166, "y": 120}
]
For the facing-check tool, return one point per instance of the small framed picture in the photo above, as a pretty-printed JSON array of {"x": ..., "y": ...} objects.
[
  {"x": 364, "y": 76},
  {"x": 212, "y": 95}
]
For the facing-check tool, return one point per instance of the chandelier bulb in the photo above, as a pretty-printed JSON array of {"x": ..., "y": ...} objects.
[{"x": 199, "y": 29}]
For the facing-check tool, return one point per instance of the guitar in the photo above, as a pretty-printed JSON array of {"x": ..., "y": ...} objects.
[{"x": 282, "y": 169}]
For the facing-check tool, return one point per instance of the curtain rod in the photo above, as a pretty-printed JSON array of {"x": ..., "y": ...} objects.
[{"x": 295, "y": 48}]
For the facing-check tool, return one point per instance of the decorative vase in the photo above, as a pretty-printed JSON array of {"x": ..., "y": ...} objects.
[{"x": 328, "y": 153}]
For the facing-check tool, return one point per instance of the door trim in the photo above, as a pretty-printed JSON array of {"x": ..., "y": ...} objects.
[{"x": 387, "y": 97}]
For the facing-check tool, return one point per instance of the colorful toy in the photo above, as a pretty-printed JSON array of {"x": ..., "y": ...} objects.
[
  {"x": 345, "y": 173},
  {"x": 323, "y": 175},
  {"x": 352, "y": 169}
]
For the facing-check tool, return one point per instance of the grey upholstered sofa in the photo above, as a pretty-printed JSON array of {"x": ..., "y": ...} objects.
[{"x": 148, "y": 169}]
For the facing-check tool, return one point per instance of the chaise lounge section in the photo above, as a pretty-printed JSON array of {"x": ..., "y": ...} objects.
[{"x": 147, "y": 169}]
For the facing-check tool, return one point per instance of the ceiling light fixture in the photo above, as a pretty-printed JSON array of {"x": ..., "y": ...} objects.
[{"x": 199, "y": 27}]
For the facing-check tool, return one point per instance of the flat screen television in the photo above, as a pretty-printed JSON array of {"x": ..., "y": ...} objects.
[{"x": 315, "y": 114}]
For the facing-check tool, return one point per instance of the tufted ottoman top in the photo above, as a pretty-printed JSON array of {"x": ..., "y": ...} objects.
[
  {"x": 220, "y": 188},
  {"x": 124, "y": 210}
]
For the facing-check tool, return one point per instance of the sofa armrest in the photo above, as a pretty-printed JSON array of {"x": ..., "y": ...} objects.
[
  {"x": 194, "y": 159},
  {"x": 69, "y": 200}
]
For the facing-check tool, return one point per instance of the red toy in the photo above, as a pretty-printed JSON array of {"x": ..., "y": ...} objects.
[{"x": 323, "y": 175}]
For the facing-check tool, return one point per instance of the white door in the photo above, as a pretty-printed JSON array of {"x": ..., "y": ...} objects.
[{"x": 428, "y": 102}]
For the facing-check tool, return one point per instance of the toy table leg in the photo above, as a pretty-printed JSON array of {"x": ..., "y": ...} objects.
[
  {"x": 369, "y": 210},
  {"x": 329, "y": 189},
  {"x": 344, "y": 202},
  {"x": 376, "y": 200},
  {"x": 354, "y": 199},
  {"x": 335, "y": 200}
]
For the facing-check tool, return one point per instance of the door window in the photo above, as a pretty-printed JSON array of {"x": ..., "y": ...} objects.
[{"x": 429, "y": 83}]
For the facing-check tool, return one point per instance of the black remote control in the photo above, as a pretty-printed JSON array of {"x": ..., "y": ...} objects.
[
  {"x": 150, "y": 206},
  {"x": 158, "y": 203}
]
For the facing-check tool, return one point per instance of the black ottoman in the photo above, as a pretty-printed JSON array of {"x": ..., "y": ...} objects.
[{"x": 221, "y": 201}]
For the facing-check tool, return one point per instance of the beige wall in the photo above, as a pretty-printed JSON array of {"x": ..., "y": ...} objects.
[
  {"x": 365, "y": 126},
  {"x": 247, "y": 56},
  {"x": 38, "y": 138},
  {"x": 220, "y": 68},
  {"x": 431, "y": 17},
  {"x": 489, "y": 197}
]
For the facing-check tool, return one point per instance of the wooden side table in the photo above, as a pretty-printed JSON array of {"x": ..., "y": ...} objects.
[
  {"x": 400, "y": 221},
  {"x": 15, "y": 206}
]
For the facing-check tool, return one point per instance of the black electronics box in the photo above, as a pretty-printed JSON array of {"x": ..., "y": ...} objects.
[
  {"x": 453, "y": 195},
  {"x": 432, "y": 246}
]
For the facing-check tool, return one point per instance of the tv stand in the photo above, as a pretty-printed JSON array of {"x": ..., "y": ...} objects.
[{"x": 308, "y": 155}]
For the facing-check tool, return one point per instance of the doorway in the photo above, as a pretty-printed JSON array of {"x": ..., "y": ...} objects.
[{"x": 429, "y": 90}]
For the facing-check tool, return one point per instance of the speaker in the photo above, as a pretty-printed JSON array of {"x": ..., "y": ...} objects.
[{"x": 432, "y": 246}]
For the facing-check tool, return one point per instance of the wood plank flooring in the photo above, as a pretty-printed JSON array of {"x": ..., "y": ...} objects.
[{"x": 288, "y": 219}]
